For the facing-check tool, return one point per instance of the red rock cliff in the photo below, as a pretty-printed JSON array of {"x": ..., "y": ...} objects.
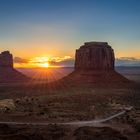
[
  {"x": 94, "y": 56},
  {"x": 94, "y": 65}
]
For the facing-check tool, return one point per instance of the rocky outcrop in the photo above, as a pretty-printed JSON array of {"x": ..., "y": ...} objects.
[
  {"x": 6, "y": 59},
  {"x": 7, "y": 72},
  {"x": 94, "y": 65},
  {"x": 94, "y": 56}
]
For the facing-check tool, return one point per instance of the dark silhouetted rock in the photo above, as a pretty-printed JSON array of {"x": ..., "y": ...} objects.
[
  {"x": 6, "y": 59},
  {"x": 95, "y": 56},
  {"x": 7, "y": 72},
  {"x": 94, "y": 64}
]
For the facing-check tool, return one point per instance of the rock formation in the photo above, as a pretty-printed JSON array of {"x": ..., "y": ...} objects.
[
  {"x": 7, "y": 72},
  {"x": 6, "y": 59},
  {"x": 95, "y": 56},
  {"x": 94, "y": 64}
]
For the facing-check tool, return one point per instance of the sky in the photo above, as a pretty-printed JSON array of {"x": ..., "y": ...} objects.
[{"x": 56, "y": 28}]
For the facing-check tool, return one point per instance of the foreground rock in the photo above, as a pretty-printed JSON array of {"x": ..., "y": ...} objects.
[{"x": 55, "y": 132}]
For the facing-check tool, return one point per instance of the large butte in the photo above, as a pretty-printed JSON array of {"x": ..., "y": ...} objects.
[{"x": 94, "y": 64}]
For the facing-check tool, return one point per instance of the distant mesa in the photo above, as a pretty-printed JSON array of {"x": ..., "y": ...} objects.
[
  {"x": 94, "y": 64},
  {"x": 7, "y": 72}
]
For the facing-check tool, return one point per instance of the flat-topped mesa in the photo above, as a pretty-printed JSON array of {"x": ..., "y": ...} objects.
[
  {"x": 6, "y": 59},
  {"x": 95, "y": 56}
]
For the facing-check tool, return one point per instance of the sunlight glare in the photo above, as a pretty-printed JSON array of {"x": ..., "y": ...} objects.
[
  {"x": 40, "y": 61},
  {"x": 44, "y": 65}
]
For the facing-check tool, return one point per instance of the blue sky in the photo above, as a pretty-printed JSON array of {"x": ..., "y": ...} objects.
[{"x": 30, "y": 28}]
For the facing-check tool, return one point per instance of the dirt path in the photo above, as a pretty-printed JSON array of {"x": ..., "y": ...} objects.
[{"x": 99, "y": 122}]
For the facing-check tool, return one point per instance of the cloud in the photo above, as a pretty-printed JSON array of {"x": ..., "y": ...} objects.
[
  {"x": 63, "y": 63},
  {"x": 122, "y": 61},
  {"x": 59, "y": 59},
  {"x": 66, "y": 61},
  {"x": 20, "y": 60},
  {"x": 37, "y": 60},
  {"x": 127, "y": 61}
]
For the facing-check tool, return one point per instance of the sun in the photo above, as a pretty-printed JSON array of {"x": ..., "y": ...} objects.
[
  {"x": 42, "y": 62},
  {"x": 44, "y": 65}
]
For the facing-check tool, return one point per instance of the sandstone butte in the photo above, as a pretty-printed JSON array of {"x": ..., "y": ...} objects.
[
  {"x": 7, "y": 72},
  {"x": 94, "y": 64}
]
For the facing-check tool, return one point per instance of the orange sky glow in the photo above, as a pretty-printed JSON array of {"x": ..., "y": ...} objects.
[{"x": 42, "y": 62}]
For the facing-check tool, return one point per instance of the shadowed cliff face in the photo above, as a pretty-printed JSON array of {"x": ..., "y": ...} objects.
[
  {"x": 95, "y": 56},
  {"x": 7, "y": 72}
]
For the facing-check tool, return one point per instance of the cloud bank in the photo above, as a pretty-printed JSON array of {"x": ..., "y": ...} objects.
[
  {"x": 127, "y": 61},
  {"x": 20, "y": 60},
  {"x": 68, "y": 61}
]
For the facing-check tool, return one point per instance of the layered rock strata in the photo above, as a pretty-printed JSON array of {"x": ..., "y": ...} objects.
[{"x": 94, "y": 56}]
